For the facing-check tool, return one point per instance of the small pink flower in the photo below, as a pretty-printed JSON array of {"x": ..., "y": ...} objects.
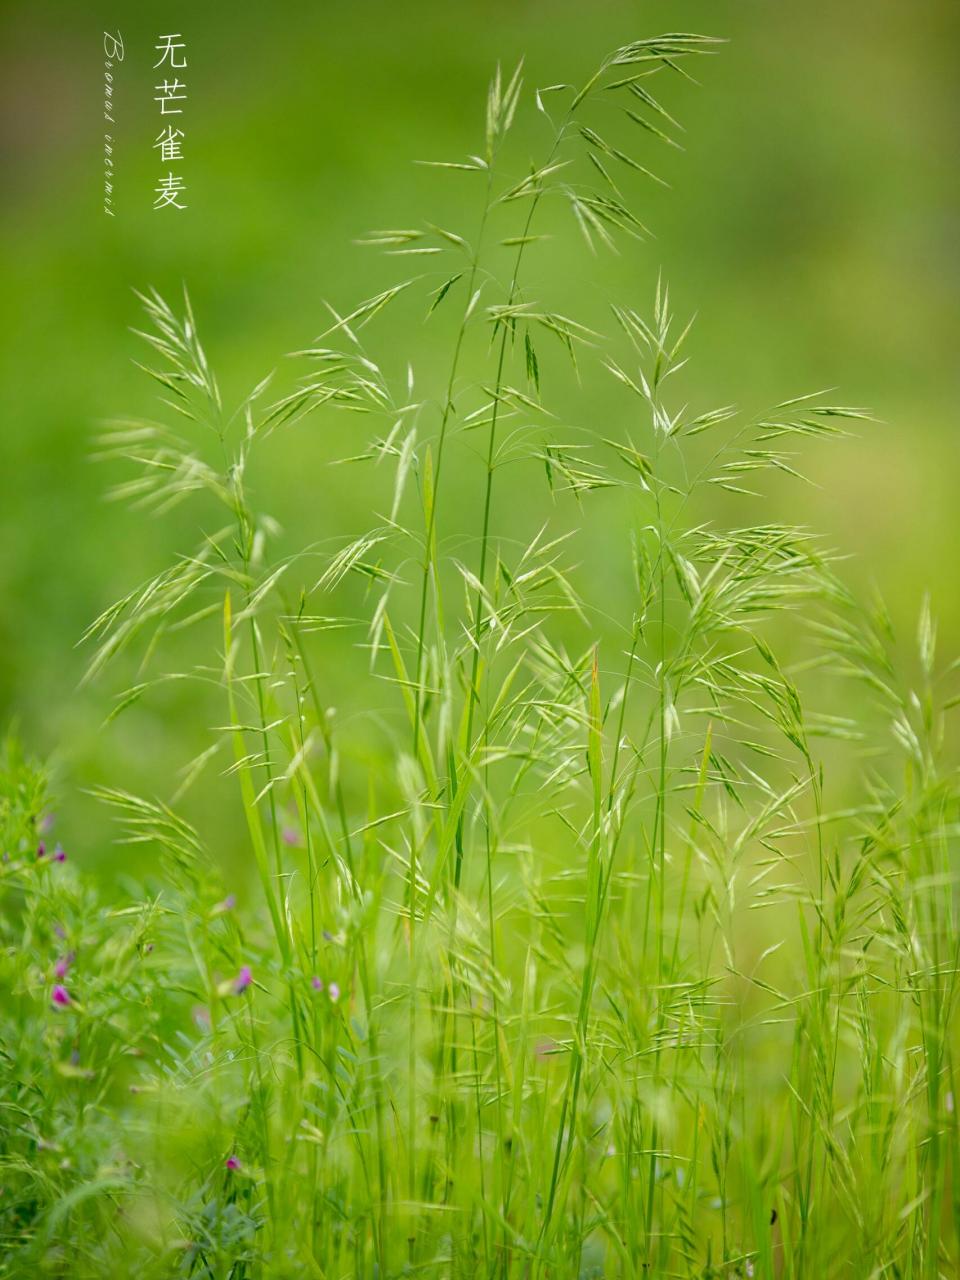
[
  {"x": 60, "y": 996},
  {"x": 41, "y": 850},
  {"x": 316, "y": 983},
  {"x": 242, "y": 980},
  {"x": 231, "y": 1162},
  {"x": 63, "y": 964},
  {"x": 291, "y": 836},
  {"x": 59, "y": 855},
  {"x": 333, "y": 991}
]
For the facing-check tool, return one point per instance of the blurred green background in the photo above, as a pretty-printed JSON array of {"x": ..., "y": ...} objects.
[{"x": 811, "y": 222}]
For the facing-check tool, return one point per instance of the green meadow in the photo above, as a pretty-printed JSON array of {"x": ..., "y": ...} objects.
[{"x": 478, "y": 649}]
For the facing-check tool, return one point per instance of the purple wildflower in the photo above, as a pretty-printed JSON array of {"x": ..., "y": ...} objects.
[
  {"x": 316, "y": 983},
  {"x": 60, "y": 996},
  {"x": 63, "y": 964},
  {"x": 41, "y": 850},
  {"x": 45, "y": 824},
  {"x": 231, "y": 1162},
  {"x": 291, "y": 836},
  {"x": 333, "y": 991},
  {"x": 242, "y": 980},
  {"x": 59, "y": 855}
]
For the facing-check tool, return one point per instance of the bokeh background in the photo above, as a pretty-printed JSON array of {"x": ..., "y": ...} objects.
[{"x": 812, "y": 222}]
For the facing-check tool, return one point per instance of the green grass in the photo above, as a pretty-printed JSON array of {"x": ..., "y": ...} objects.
[{"x": 588, "y": 938}]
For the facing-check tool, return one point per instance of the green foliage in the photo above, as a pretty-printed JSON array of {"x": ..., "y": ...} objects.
[{"x": 569, "y": 957}]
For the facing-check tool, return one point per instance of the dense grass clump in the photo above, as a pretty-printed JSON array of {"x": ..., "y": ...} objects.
[{"x": 593, "y": 940}]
